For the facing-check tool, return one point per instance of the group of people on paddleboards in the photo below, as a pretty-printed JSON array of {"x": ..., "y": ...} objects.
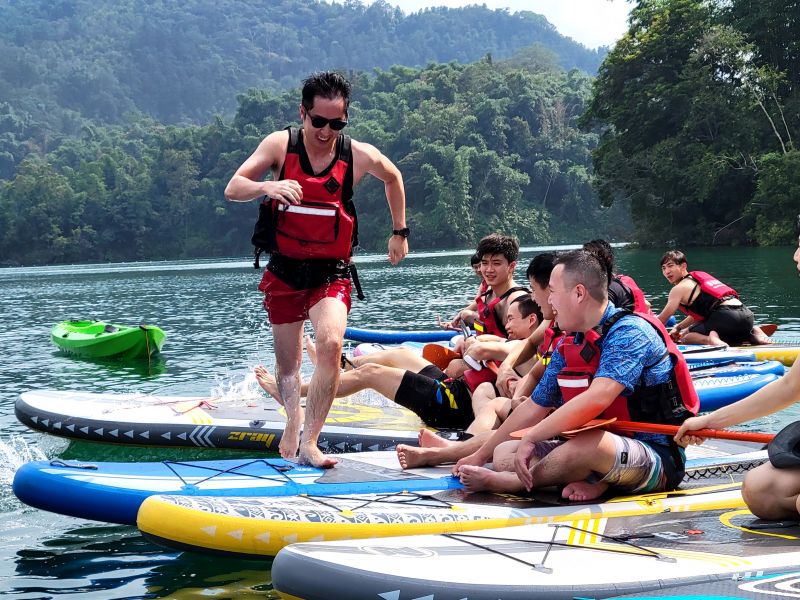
[{"x": 580, "y": 344}]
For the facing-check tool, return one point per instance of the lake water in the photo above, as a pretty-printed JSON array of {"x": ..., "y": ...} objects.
[{"x": 217, "y": 333}]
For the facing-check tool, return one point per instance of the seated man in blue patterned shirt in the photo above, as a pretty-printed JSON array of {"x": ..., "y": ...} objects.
[{"x": 615, "y": 364}]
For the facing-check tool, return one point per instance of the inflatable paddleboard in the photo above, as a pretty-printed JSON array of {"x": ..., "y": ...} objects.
[
  {"x": 715, "y": 392},
  {"x": 255, "y": 425},
  {"x": 759, "y": 367},
  {"x": 384, "y": 336},
  {"x": 113, "y": 492},
  {"x": 258, "y": 527},
  {"x": 668, "y": 554},
  {"x": 698, "y": 353},
  {"x": 785, "y": 352}
]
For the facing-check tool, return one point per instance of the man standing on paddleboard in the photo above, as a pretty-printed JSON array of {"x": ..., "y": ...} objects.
[{"x": 308, "y": 225}]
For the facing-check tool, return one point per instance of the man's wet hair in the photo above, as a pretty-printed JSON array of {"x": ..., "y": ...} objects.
[
  {"x": 673, "y": 256},
  {"x": 540, "y": 267},
  {"x": 585, "y": 268},
  {"x": 604, "y": 253},
  {"x": 326, "y": 84},
  {"x": 475, "y": 259},
  {"x": 497, "y": 243},
  {"x": 528, "y": 306}
]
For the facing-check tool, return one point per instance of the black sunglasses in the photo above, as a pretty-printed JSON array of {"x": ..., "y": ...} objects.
[{"x": 320, "y": 122}]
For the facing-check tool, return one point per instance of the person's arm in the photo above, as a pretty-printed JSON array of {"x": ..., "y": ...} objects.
[
  {"x": 490, "y": 349},
  {"x": 673, "y": 302},
  {"x": 521, "y": 353},
  {"x": 368, "y": 159},
  {"x": 525, "y": 415},
  {"x": 246, "y": 183},
  {"x": 769, "y": 399}
]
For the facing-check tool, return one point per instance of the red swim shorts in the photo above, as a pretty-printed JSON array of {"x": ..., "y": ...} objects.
[{"x": 284, "y": 304}]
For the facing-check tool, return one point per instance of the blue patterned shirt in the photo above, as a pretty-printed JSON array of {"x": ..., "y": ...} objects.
[{"x": 629, "y": 346}]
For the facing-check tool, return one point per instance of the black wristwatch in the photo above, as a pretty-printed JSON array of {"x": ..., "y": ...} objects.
[{"x": 404, "y": 232}]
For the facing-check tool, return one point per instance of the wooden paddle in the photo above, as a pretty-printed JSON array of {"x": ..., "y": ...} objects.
[
  {"x": 633, "y": 426},
  {"x": 439, "y": 355}
]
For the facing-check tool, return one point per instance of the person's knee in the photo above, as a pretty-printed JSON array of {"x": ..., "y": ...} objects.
[
  {"x": 767, "y": 493},
  {"x": 329, "y": 349},
  {"x": 503, "y": 457},
  {"x": 368, "y": 372}
]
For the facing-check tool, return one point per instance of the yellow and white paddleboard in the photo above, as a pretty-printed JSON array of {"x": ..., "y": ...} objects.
[{"x": 258, "y": 527}]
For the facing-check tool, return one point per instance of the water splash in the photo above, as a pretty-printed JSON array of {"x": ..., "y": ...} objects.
[{"x": 14, "y": 452}]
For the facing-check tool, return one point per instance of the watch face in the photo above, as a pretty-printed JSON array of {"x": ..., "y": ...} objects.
[{"x": 402, "y": 232}]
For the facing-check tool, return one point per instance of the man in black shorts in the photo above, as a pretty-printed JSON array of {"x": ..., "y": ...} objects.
[{"x": 404, "y": 376}]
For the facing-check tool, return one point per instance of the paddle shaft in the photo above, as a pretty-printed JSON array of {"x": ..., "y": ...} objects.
[{"x": 720, "y": 434}]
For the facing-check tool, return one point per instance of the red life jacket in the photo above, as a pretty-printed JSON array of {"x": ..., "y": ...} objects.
[
  {"x": 552, "y": 335},
  {"x": 488, "y": 321},
  {"x": 712, "y": 293},
  {"x": 324, "y": 224},
  {"x": 635, "y": 292},
  {"x": 474, "y": 378},
  {"x": 666, "y": 403}
]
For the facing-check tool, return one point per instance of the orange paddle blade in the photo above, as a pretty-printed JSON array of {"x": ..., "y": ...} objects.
[
  {"x": 593, "y": 424},
  {"x": 769, "y": 329},
  {"x": 438, "y": 355}
]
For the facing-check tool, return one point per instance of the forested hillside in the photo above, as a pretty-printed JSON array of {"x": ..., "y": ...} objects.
[
  {"x": 490, "y": 146},
  {"x": 65, "y": 61},
  {"x": 699, "y": 105}
]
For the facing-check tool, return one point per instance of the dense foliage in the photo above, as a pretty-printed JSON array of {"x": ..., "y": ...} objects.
[
  {"x": 700, "y": 106},
  {"x": 66, "y": 61},
  {"x": 483, "y": 147}
]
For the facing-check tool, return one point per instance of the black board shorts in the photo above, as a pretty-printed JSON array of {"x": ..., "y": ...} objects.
[
  {"x": 425, "y": 393},
  {"x": 733, "y": 324}
]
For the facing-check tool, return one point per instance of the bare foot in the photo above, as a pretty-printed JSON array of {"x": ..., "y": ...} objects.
[
  {"x": 581, "y": 491},
  {"x": 311, "y": 350},
  {"x": 268, "y": 383},
  {"x": 411, "y": 457},
  {"x": 290, "y": 440},
  {"x": 481, "y": 479},
  {"x": 715, "y": 340},
  {"x": 428, "y": 439},
  {"x": 310, "y": 454},
  {"x": 757, "y": 336}
]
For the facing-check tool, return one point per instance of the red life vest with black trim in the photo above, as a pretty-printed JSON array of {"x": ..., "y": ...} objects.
[
  {"x": 665, "y": 403},
  {"x": 552, "y": 335},
  {"x": 488, "y": 321},
  {"x": 474, "y": 378},
  {"x": 324, "y": 224},
  {"x": 634, "y": 292},
  {"x": 712, "y": 293}
]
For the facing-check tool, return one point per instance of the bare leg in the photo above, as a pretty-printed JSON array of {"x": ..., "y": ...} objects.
[
  {"x": 698, "y": 338},
  {"x": 287, "y": 339},
  {"x": 411, "y": 457},
  {"x": 485, "y": 405},
  {"x": 772, "y": 493},
  {"x": 329, "y": 318},
  {"x": 572, "y": 462},
  {"x": 399, "y": 358},
  {"x": 758, "y": 337},
  {"x": 481, "y": 479},
  {"x": 428, "y": 439}
]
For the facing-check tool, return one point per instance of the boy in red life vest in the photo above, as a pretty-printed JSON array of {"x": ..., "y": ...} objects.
[
  {"x": 615, "y": 364},
  {"x": 307, "y": 224},
  {"x": 716, "y": 316},
  {"x": 772, "y": 490}
]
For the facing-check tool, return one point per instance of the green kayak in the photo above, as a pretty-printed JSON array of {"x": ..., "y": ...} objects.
[{"x": 97, "y": 339}]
